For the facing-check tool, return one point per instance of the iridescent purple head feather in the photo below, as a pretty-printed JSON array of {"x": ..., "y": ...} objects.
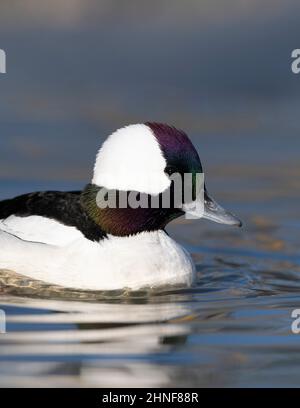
[{"x": 178, "y": 150}]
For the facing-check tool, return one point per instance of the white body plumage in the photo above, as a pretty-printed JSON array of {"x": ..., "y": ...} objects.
[{"x": 46, "y": 250}]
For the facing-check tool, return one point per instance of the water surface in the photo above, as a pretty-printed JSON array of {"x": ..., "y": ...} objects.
[{"x": 233, "y": 328}]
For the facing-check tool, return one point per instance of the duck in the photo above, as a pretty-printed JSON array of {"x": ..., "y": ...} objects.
[{"x": 71, "y": 239}]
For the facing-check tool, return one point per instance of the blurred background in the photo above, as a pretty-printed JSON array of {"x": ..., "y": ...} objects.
[
  {"x": 79, "y": 69},
  {"x": 221, "y": 70}
]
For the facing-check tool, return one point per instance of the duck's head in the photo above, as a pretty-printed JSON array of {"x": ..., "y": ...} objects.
[{"x": 140, "y": 160}]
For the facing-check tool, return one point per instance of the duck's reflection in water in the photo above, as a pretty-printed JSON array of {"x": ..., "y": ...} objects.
[{"x": 92, "y": 344}]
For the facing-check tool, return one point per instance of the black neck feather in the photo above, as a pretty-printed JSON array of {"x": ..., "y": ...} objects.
[{"x": 126, "y": 221}]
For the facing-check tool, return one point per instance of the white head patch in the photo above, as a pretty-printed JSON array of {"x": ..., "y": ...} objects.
[{"x": 131, "y": 159}]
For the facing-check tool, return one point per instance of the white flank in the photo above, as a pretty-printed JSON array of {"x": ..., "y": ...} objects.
[
  {"x": 40, "y": 229},
  {"x": 148, "y": 259}
]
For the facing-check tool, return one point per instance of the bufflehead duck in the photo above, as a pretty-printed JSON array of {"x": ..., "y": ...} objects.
[{"x": 68, "y": 239}]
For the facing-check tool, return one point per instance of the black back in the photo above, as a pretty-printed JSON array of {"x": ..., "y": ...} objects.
[{"x": 63, "y": 207}]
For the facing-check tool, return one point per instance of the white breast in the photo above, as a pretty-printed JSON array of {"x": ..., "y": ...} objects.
[{"x": 148, "y": 259}]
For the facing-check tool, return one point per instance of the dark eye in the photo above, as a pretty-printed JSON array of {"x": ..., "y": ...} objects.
[{"x": 170, "y": 170}]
